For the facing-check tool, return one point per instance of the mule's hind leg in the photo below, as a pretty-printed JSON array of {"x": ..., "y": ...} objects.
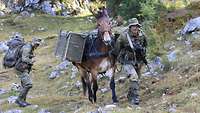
[
  {"x": 86, "y": 84},
  {"x": 94, "y": 86},
  {"x": 83, "y": 76}
]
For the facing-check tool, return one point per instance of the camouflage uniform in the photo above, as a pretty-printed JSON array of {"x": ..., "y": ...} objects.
[
  {"x": 23, "y": 68},
  {"x": 128, "y": 57}
]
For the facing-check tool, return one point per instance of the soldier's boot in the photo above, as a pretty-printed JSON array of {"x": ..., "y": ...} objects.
[
  {"x": 21, "y": 100},
  {"x": 26, "y": 89},
  {"x": 133, "y": 93}
]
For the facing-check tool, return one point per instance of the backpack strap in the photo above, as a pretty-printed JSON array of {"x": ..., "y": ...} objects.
[{"x": 130, "y": 42}]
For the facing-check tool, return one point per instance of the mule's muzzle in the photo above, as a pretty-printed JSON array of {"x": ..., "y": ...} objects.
[{"x": 107, "y": 38}]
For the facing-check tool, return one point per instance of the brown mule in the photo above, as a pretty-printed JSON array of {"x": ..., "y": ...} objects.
[{"x": 91, "y": 67}]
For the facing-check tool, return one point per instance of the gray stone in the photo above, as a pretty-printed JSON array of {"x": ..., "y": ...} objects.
[
  {"x": 121, "y": 79},
  {"x": 74, "y": 72},
  {"x": 63, "y": 65},
  {"x": 191, "y": 25},
  {"x": 3, "y": 47},
  {"x": 32, "y": 15},
  {"x": 194, "y": 94},
  {"x": 155, "y": 67},
  {"x": 65, "y": 13},
  {"x": 101, "y": 110},
  {"x": 14, "y": 111},
  {"x": 54, "y": 74},
  {"x": 31, "y": 2},
  {"x": 2, "y": 91},
  {"x": 33, "y": 107},
  {"x": 104, "y": 90},
  {"x": 62, "y": 112},
  {"x": 12, "y": 99},
  {"x": 172, "y": 110},
  {"x": 196, "y": 34},
  {"x": 171, "y": 56},
  {"x": 110, "y": 107},
  {"x": 47, "y": 8},
  {"x": 2, "y": 13},
  {"x": 59, "y": 69},
  {"x": 15, "y": 87},
  {"x": 44, "y": 111},
  {"x": 78, "y": 84},
  {"x": 25, "y": 14},
  {"x": 41, "y": 29}
]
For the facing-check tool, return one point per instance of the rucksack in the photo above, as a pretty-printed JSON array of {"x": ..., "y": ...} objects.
[{"x": 13, "y": 54}]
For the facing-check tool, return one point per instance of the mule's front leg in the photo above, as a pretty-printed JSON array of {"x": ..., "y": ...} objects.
[
  {"x": 90, "y": 94},
  {"x": 84, "y": 77},
  {"x": 95, "y": 88},
  {"x": 87, "y": 84},
  {"x": 84, "y": 85}
]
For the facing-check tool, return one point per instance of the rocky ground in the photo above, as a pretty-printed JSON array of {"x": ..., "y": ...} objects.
[{"x": 172, "y": 87}]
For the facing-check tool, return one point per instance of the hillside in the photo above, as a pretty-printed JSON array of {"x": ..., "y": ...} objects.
[{"x": 176, "y": 89}]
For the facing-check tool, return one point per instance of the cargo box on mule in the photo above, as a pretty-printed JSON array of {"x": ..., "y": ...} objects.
[{"x": 70, "y": 46}]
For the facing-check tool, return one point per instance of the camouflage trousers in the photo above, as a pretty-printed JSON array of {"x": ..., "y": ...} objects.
[
  {"x": 26, "y": 84},
  {"x": 25, "y": 78},
  {"x": 133, "y": 91},
  {"x": 131, "y": 72}
]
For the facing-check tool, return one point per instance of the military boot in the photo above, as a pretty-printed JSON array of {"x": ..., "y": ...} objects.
[
  {"x": 25, "y": 94},
  {"x": 133, "y": 93},
  {"x": 21, "y": 100}
]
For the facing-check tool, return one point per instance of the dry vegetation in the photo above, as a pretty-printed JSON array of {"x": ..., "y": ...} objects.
[{"x": 174, "y": 88}]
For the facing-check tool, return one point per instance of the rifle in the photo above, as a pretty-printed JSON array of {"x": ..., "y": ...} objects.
[{"x": 138, "y": 49}]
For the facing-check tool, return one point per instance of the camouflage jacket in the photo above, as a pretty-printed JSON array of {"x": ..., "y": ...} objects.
[
  {"x": 27, "y": 54},
  {"x": 123, "y": 48}
]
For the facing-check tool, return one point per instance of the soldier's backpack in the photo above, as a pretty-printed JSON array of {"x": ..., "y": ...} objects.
[{"x": 13, "y": 54}]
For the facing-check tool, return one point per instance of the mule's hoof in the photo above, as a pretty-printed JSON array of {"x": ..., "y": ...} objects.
[{"x": 91, "y": 99}]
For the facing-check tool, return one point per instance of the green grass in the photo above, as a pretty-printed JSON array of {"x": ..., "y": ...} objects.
[
  {"x": 45, "y": 93},
  {"x": 52, "y": 25},
  {"x": 56, "y": 97}
]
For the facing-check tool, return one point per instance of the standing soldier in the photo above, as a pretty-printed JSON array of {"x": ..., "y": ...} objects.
[
  {"x": 23, "y": 68},
  {"x": 131, "y": 46}
]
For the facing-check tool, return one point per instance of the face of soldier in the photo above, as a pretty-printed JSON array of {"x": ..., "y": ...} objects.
[{"x": 135, "y": 30}]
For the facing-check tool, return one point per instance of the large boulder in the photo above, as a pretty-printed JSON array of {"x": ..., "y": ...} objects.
[
  {"x": 47, "y": 8},
  {"x": 2, "y": 13},
  {"x": 191, "y": 25}
]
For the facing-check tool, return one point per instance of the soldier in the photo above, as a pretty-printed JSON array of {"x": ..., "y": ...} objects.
[
  {"x": 23, "y": 68},
  {"x": 131, "y": 48}
]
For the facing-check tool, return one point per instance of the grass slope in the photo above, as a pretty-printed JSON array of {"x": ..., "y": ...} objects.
[{"x": 172, "y": 89}]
